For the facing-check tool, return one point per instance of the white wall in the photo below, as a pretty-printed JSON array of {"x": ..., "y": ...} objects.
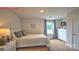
[
  {"x": 9, "y": 20},
  {"x": 69, "y": 29},
  {"x": 26, "y": 25},
  {"x": 58, "y": 24}
]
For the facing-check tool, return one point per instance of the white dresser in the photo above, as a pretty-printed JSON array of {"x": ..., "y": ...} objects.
[{"x": 62, "y": 34}]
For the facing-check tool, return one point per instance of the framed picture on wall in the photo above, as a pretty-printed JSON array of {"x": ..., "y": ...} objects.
[
  {"x": 63, "y": 23},
  {"x": 33, "y": 25}
]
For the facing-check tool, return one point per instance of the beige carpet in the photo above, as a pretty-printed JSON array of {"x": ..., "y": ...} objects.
[{"x": 58, "y": 45}]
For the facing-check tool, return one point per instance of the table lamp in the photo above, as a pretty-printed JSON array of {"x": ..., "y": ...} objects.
[{"x": 5, "y": 33}]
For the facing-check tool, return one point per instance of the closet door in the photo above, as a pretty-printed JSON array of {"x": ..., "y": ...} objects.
[{"x": 75, "y": 31}]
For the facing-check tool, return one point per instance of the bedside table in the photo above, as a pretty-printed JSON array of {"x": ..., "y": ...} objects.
[
  {"x": 2, "y": 48},
  {"x": 9, "y": 46}
]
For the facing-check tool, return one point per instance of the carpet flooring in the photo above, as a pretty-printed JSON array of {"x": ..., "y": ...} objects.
[{"x": 58, "y": 45}]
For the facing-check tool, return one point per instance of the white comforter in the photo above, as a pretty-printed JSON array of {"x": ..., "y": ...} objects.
[{"x": 31, "y": 40}]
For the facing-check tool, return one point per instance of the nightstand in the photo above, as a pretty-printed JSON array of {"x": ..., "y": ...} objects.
[
  {"x": 9, "y": 46},
  {"x": 2, "y": 48}
]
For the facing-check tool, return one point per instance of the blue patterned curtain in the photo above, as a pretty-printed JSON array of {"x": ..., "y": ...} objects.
[
  {"x": 45, "y": 27},
  {"x": 55, "y": 30}
]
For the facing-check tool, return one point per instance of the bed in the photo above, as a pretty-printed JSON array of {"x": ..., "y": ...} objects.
[{"x": 31, "y": 40}]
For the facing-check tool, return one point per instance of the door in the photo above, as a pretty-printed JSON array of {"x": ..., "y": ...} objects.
[
  {"x": 50, "y": 29},
  {"x": 75, "y": 31}
]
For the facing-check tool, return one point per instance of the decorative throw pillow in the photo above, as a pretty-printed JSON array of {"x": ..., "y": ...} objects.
[
  {"x": 18, "y": 34},
  {"x": 23, "y": 33}
]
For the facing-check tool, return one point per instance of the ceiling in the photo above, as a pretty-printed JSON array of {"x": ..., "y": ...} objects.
[{"x": 49, "y": 12}]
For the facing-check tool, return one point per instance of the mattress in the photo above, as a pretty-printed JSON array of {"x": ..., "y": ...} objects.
[{"x": 31, "y": 40}]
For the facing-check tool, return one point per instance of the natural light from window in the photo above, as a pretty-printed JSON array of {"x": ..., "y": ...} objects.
[{"x": 50, "y": 27}]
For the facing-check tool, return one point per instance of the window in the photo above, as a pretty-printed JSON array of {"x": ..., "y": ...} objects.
[{"x": 50, "y": 27}]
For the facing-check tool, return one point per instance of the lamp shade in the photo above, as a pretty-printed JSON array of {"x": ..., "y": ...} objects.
[{"x": 4, "y": 32}]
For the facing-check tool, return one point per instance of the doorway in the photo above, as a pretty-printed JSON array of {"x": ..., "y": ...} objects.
[{"x": 50, "y": 29}]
